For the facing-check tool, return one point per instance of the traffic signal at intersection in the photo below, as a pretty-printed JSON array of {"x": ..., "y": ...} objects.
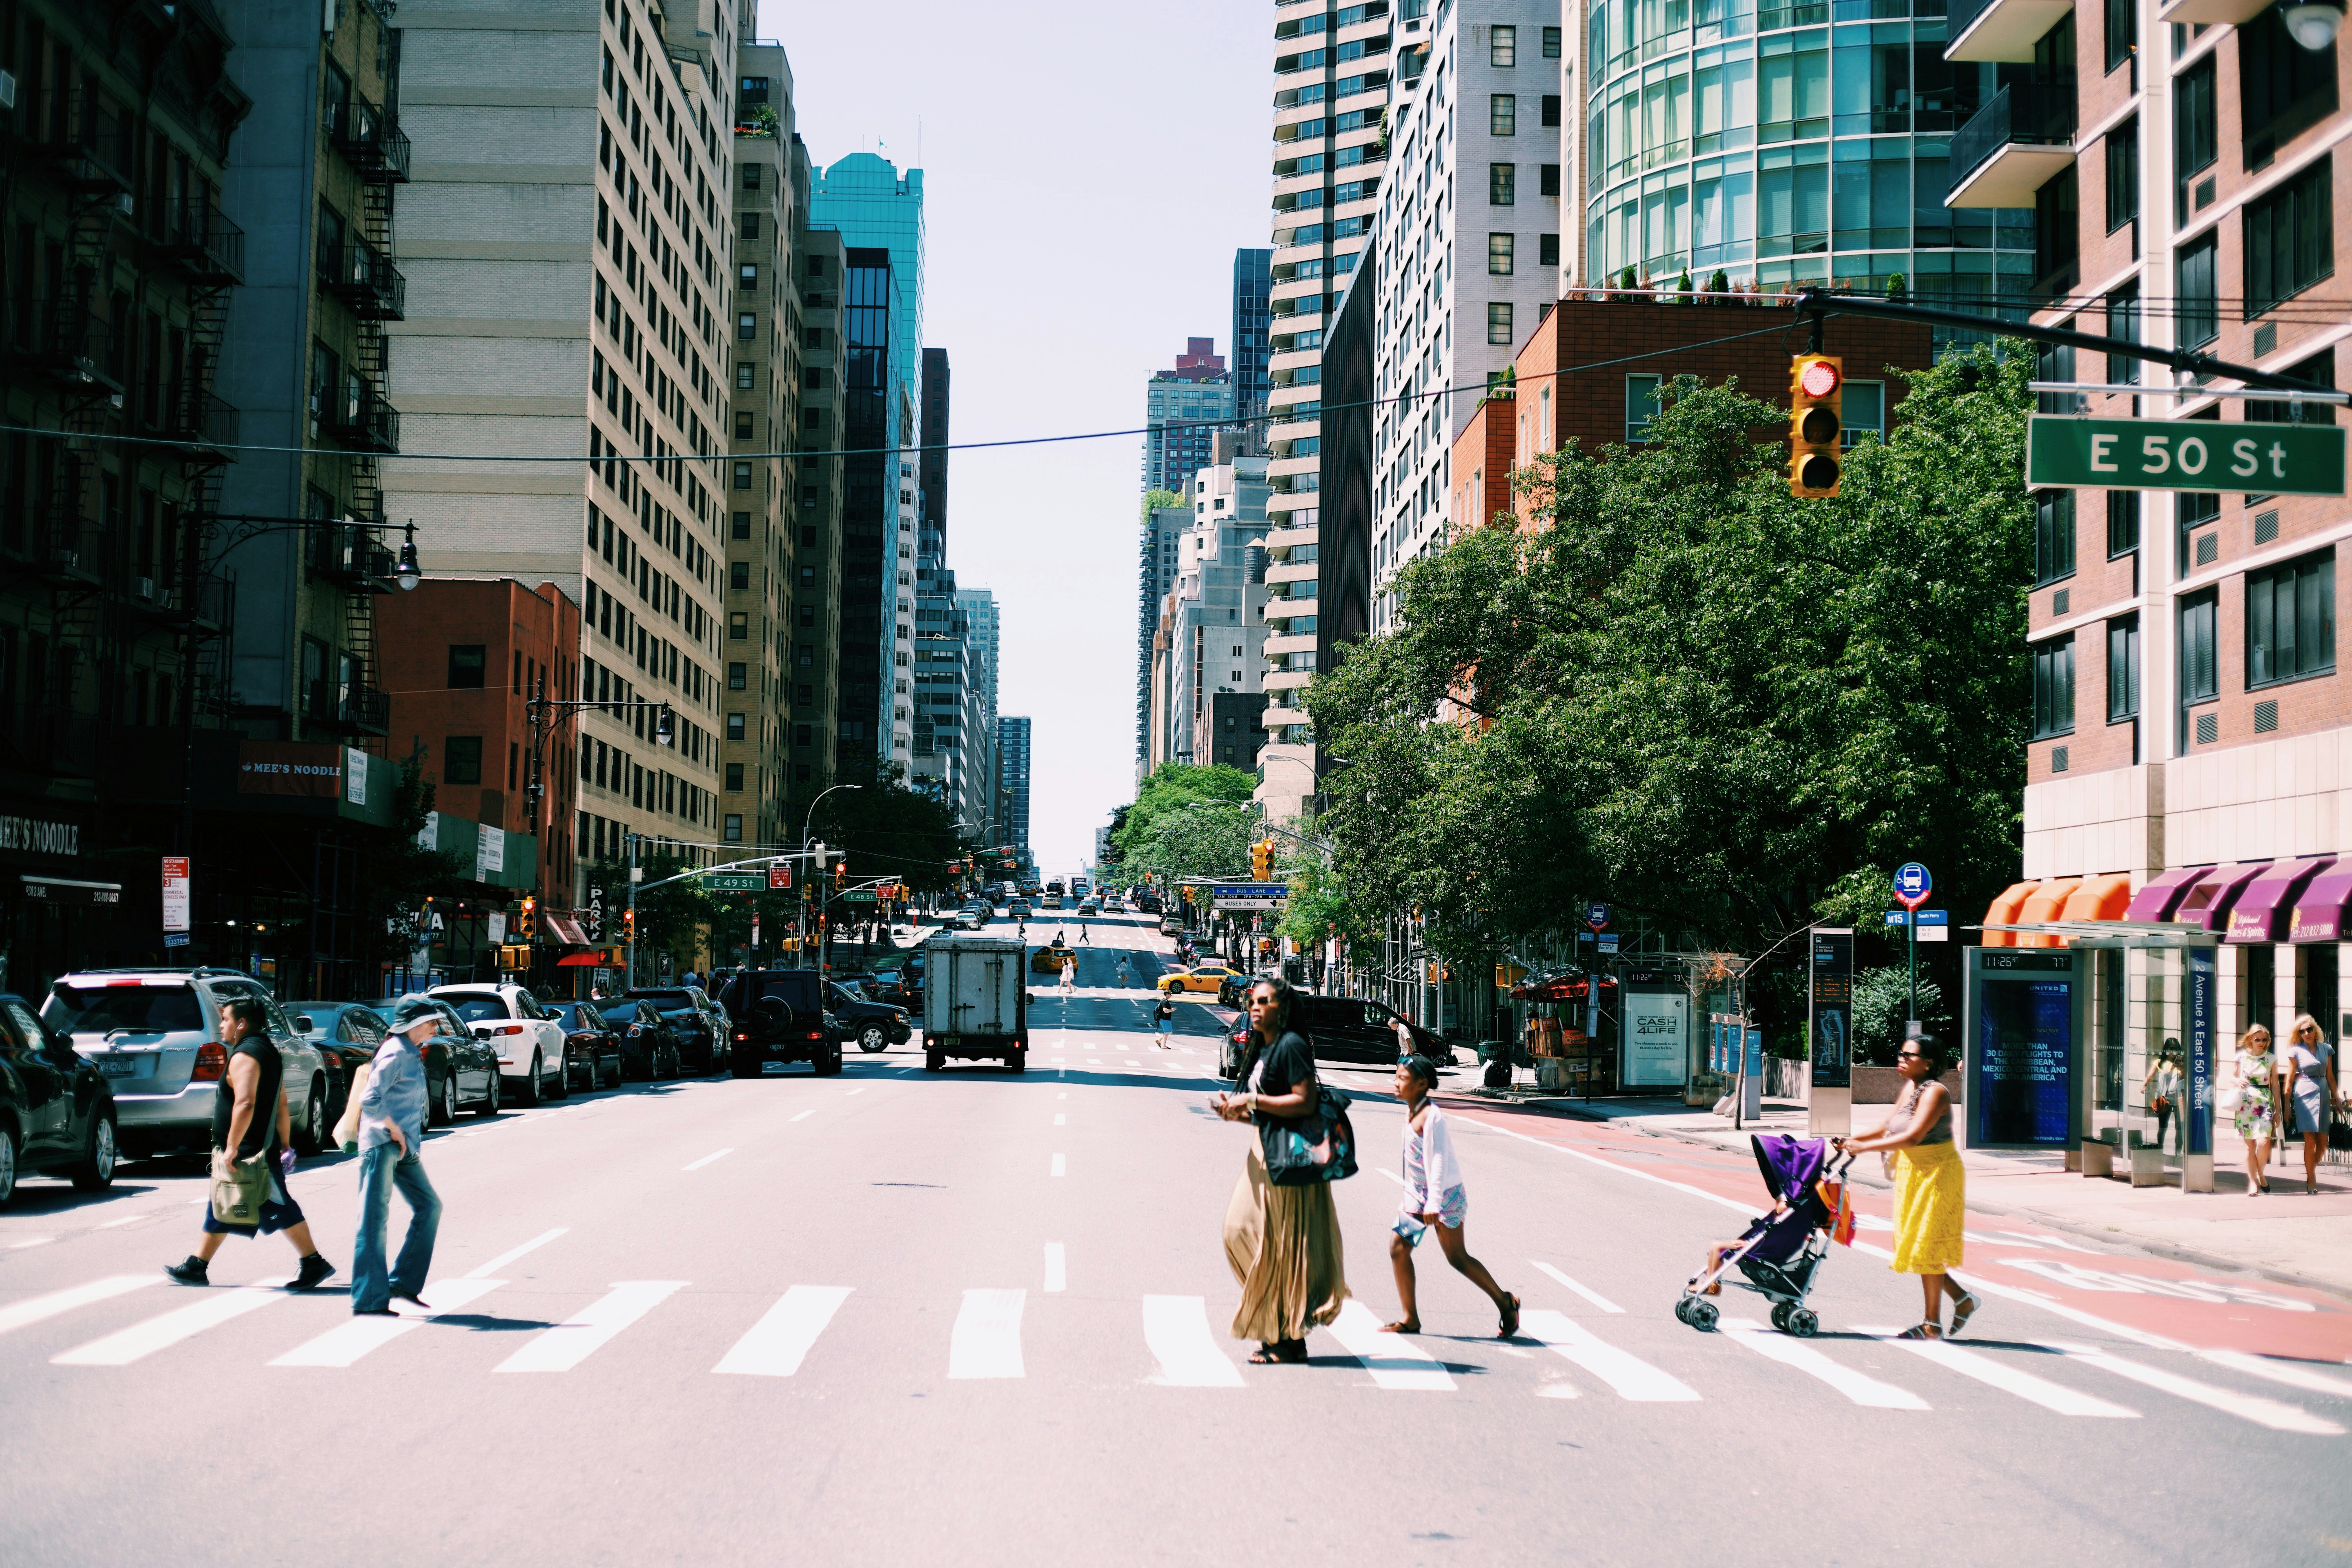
[
  {"x": 1262, "y": 860},
  {"x": 1816, "y": 424}
]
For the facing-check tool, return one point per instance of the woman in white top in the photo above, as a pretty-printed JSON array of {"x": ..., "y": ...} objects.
[
  {"x": 2161, "y": 1088},
  {"x": 1433, "y": 1195},
  {"x": 2307, "y": 1092}
]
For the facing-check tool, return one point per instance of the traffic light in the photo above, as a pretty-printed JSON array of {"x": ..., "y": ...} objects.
[
  {"x": 629, "y": 925},
  {"x": 841, "y": 873},
  {"x": 1816, "y": 421},
  {"x": 527, "y": 926},
  {"x": 1262, "y": 860}
]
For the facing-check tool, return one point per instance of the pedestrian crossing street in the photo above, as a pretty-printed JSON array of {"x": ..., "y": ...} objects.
[{"x": 1599, "y": 1352}]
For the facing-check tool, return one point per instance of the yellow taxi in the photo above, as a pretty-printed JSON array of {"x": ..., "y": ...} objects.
[{"x": 1206, "y": 977}]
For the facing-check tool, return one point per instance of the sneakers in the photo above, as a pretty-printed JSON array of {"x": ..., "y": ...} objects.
[
  {"x": 374, "y": 1313},
  {"x": 314, "y": 1269},
  {"x": 192, "y": 1272}
]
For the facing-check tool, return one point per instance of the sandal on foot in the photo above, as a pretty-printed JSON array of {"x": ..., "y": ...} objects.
[
  {"x": 1264, "y": 1355},
  {"x": 1962, "y": 1310},
  {"x": 1921, "y": 1331},
  {"x": 1401, "y": 1326},
  {"x": 1510, "y": 1329}
]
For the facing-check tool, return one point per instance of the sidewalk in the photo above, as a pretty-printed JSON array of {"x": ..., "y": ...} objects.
[{"x": 2289, "y": 1235}]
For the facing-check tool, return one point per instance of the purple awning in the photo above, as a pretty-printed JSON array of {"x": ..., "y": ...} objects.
[
  {"x": 2209, "y": 902},
  {"x": 2260, "y": 914},
  {"x": 2319, "y": 915},
  {"x": 2162, "y": 893}
]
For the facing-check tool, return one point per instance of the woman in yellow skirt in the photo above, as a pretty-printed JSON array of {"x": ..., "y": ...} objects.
[
  {"x": 1282, "y": 1243},
  {"x": 1930, "y": 1187}
]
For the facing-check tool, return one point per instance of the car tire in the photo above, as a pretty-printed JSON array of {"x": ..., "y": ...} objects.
[
  {"x": 747, "y": 1069},
  {"x": 95, "y": 1170},
  {"x": 445, "y": 1113},
  {"x": 311, "y": 1129},
  {"x": 8, "y": 1164},
  {"x": 530, "y": 1090},
  {"x": 828, "y": 1064},
  {"x": 489, "y": 1106},
  {"x": 873, "y": 1038},
  {"x": 563, "y": 1078},
  {"x": 1018, "y": 1061},
  {"x": 614, "y": 1080},
  {"x": 934, "y": 1061}
]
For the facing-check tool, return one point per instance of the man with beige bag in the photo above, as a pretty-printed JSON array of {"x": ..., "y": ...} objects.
[{"x": 251, "y": 1160}]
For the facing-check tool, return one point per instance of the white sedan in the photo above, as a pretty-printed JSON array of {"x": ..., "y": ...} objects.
[{"x": 529, "y": 1040}]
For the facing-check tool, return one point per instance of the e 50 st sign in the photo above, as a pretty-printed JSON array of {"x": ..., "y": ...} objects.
[{"x": 2184, "y": 455}]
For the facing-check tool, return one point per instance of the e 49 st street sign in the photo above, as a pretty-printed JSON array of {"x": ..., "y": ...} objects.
[{"x": 2063, "y": 452}]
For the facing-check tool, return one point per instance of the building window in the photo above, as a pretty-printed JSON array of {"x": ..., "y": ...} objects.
[
  {"x": 2123, "y": 522},
  {"x": 2288, "y": 246},
  {"x": 742, "y": 424},
  {"x": 1502, "y": 185},
  {"x": 1499, "y": 253},
  {"x": 461, "y": 759},
  {"x": 2123, "y": 669},
  {"x": 1498, "y": 322},
  {"x": 2053, "y": 536},
  {"x": 2123, "y": 323},
  {"x": 1641, "y": 405},
  {"x": 733, "y": 832},
  {"x": 2283, "y": 88},
  {"x": 744, "y": 373},
  {"x": 1862, "y": 407},
  {"x": 2053, "y": 688},
  {"x": 747, "y": 327},
  {"x": 747, "y": 276},
  {"x": 1503, "y": 47},
  {"x": 739, "y": 575},
  {"x": 740, "y": 525},
  {"x": 2291, "y": 620},
  {"x": 2199, "y": 313},
  {"x": 1551, "y": 111},
  {"x": 2123, "y": 173},
  {"x": 751, "y": 225},
  {"x": 1547, "y": 184},
  {"x": 739, "y": 677},
  {"x": 2194, "y": 144},
  {"x": 468, "y": 664},
  {"x": 742, "y": 476},
  {"x": 738, "y": 629},
  {"x": 735, "y": 723},
  {"x": 734, "y": 778},
  {"x": 750, "y": 176},
  {"x": 2319, "y": 370},
  {"x": 1503, "y": 114},
  {"x": 2057, "y": 229},
  {"x": 2123, "y": 34},
  {"x": 1551, "y": 43},
  {"x": 2200, "y": 675}
]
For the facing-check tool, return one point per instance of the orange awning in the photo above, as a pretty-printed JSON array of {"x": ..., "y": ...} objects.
[
  {"x": 2003, "y": 911},
  {"x": 2099, "y": 899},
  {"x": 2043, "y": 904}
]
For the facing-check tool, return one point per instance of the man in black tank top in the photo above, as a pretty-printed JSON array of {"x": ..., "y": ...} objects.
[{"x": 250, "y": 1117}]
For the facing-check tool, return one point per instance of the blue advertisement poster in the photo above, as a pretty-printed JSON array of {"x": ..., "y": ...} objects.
[
  {"x": 2198, "y": 1125},
  {"x": 2021, "y": 1090}
]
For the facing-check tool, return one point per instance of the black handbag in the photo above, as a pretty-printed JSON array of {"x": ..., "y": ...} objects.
[
  {"x": 1317, "y": 1148},
  {"x": 2339, "y": 1131}
]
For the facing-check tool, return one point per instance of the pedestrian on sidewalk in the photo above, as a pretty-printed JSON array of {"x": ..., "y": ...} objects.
[
  {"x": 2307, "y": 1092},
  {"x": 1406, "y": 1049},
  {"x": 2162, "y": 1088},
  {"x": 1433, "y": 1196},
  {"x": 1930, "y": 1187},
  {"x": 1282, "y": 1243},
  {"x": 2256, "y": 1119},
  {"x": 392, "y": 1144},
  {"x": 250, "y": 1118},
  {"x": 1163, "y": 1018}
]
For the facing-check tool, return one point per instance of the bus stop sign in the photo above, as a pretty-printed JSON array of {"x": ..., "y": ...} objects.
[{"x": 1912, "y": 885}]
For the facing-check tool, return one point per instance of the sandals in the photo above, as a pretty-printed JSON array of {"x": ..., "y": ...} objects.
[
  {"x": 1963, "y": 1310},
  {"x": 1284, "y": 1352},
  {"x": 1510, "y": 1329},
  {"x": 1921, "y": 1331},
  {"x": 1401, "y": 1326}
]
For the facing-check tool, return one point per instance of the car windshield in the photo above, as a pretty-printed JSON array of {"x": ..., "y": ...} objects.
[
  {"x": 141, "y": 1009},
  {"x": 668, "y": 1001},
  {"x": 626, "y": 1013},
  {"x": 476, "y": 1006}
]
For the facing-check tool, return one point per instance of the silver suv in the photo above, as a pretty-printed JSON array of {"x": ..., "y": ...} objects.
[{"x": 155, "y": 1034}]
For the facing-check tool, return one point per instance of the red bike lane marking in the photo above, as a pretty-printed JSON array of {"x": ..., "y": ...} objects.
[{"x": 2145, "y": 1298}]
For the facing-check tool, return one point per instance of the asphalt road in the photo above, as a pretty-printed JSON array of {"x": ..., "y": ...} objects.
[{"x": 974, "y": 1318}]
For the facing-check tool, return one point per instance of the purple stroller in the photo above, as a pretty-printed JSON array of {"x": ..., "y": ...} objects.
[{"x": 1779, "y": 1254}]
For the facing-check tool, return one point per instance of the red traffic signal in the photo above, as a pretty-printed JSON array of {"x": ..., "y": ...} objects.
[{"x": 1816, "y": 424}]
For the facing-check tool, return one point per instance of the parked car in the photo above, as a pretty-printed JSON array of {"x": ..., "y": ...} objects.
[
  {"x": 57, "y": 1112},
  {"x": 155, "y": 1035},
  {"x": 695, "y": 1020},
  {"x": 889, "y": 985},
  {"x": 1172, "y": 925},
  {"x": 874, "y": 1025},
  {"x": 649, "y": 1048},
  {"x": 592, "y": 1052},
  {"x": 527, "y": 1038},
  {"x": 345, "y": 1035},
  {"x": 1207, "y": 977},
  {"x": 1344, "y": 1028},
  {"x": 461, "y": 1068},
  {"x": 780, "y": 1017}
]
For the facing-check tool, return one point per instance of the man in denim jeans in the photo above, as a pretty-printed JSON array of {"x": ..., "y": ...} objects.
[{"x": 392, "y": 1138}]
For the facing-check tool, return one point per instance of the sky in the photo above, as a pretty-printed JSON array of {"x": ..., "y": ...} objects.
[{"x": 1088, "y": 173}]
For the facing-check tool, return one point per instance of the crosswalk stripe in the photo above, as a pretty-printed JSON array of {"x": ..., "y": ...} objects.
[
  {"x": 36, "y": 1308},
  {"x": 1057, "y": 1267},
  {"x": 511, "y": 1253},
  {"x": 986, "y": 1341},
  {"x": 122, "y": 1348},
  {"x": 1591, "y": 1295},
  {"x": 2006, "y": 1378},
  {"x": 1860, "y": 1387},
  {"x": 1177, "y": 1330},
  {"x": 710, "y": 1159},
  {"x": 346, "y": 1343},
  {"x": 570, "y": 1343},
  {"x": 2274, "y": 1413},
  {"x": 779, "y": 1341},
  {"x": 2292, "y": 1374},
  {"x": 1394, "y": 1359},
  {"x": 1629, "y": 1374}
]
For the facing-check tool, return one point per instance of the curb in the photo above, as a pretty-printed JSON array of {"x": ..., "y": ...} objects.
[{"x": 2167, "y": 1250}]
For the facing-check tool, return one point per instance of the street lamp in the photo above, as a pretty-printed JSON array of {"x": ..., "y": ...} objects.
[
  {"x": 814, "y": 880},
  {"x": 408, "y": 573}
]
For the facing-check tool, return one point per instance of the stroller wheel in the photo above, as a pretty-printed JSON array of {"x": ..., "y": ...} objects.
[
  {"x": 1781, "y": 1316},
  {"x": 1803, "y": 1324},
  {"x": 1702, "y": 1315},
  {"x": 1682, "y": 1310}
]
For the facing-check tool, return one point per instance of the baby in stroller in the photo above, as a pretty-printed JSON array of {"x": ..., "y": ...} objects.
[{"x": 1779, "y": 1252}]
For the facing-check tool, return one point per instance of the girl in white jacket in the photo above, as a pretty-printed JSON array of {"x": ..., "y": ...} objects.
[{"x": 1433, "y": 1195}]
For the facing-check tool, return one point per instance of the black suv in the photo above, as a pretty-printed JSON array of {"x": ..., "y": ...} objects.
[
  {"x": 874, "y": 1025},
  {"x": 701, "y": 1029},
  {"x": 780, "y": 1017}
]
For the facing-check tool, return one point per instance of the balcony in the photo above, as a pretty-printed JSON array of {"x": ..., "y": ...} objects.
[
  {"x": 363, "y": 278},
  {"x": 62, "y": 341},
  {"x": 2002, "y": 29},
  {"x": 83, "y": 139},
  {"x": 194, "y": 237},
  {"x": 204, "y": 605},
  {"x": 2208, "y": 10},
  {"x": 350, "y": 555},
  {"x": 346, "y": 710},
  {"x": 369, "y": 141},
  {"x": 362, "y": 423},
  {"x": 40, "y": 739},
  {"x": 206, "y": 425},
  {"x": 2012, "y": 146}
]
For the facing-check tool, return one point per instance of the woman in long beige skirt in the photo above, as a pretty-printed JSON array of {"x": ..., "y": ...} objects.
[{"x": 1282, "y": 1242}]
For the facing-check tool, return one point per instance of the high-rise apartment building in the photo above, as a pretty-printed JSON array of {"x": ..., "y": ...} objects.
[
  {"x": 1181, "y": 408},
  {"x": 931, "y": 468},
  {"x": 1252, "y": 290},
  {"x": 819, "y": 267},
  {"x": 1211, "y": 630},
  {"x": 1469, "y": 240},
  {"x": 878, "y": 213},
  {"x": 1013, "y": 784},
  {"x": 983, "y": 631},
  {"x": 571, "y": 290},
  {"x": 1158, "y": 541}
]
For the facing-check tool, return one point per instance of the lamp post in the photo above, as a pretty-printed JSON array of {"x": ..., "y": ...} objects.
[{"x": 815, "y": 872}]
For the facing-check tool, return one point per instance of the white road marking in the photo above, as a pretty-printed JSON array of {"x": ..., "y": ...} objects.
[
  {"x": 1177, "y": 1330},
  {"x": 1135, "y": 1064},
  {"x": 346, "y": 1343},
  {"x": 570, "y": 1343},
  {"x": 986, "y": 1342},
  {"x": 503, "y": 1258},
  {"x": 2009, "y": 1379},
  {"x": 2295, "y": 1375},
  {"x": 1059, "y": 1119},
  {"x": 2263, "y": 1412},
  {"x": 1860, "y": 1387},
  {"x": 126, "y": 1219},
  {"x": 1629, "y": 1374},
  {"x": 1057, "y": 1267},
  {"x": 1060, "y": 1168},
  {"x": 1392, "y": 1176},
  {"x": 140, "y": 1340},
  {"x": 31, "y": 1241},
  {"x": 859, "y": 1089},
  {"x": 1063, "y": 1095},
  {"x": 40, "y": 1307},
  {"x": 1394, "y": 1359},
  {"x": 779, "y": 1341},
  {"x": 804, "y": 1114},
  {"x": 1595, "y": 1296},
  {"x": 711, "y": 1159}
]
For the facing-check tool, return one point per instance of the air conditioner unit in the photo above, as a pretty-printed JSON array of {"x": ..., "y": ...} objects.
[
  {"x": 147, "y": 588},
  {"x": 7, "y": 91}
]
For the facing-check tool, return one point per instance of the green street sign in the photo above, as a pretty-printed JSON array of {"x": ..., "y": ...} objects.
[
  {"x": 858, "y": 896},
  {"x": 736, "y": 882},
  {"x": 2184, "y": 455}
]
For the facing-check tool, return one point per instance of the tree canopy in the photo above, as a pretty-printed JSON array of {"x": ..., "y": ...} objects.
[{"x": 1186, "y": 821}]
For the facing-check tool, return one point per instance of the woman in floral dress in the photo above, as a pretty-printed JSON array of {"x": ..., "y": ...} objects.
[{"x": 2257, "y": 1115}]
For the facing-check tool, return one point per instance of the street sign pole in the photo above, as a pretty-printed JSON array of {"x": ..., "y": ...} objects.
[{"x": 1912, "y": 887}]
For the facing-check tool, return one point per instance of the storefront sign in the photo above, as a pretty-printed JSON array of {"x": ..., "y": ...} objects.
[
  {"x": 2021, "y": 1060},
  {"x": 1654, "y": 1044},
  {"x": 489, "y": 853},
  {"x": 276, "y": 767},
  {"x": 61, "y": 890},
  {"x": 175, "y": 893},
  {"x": 31, "y": 836},
  {"x": 2198, "y": 1125},
  {"x": 1830, "y": 1007}
]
